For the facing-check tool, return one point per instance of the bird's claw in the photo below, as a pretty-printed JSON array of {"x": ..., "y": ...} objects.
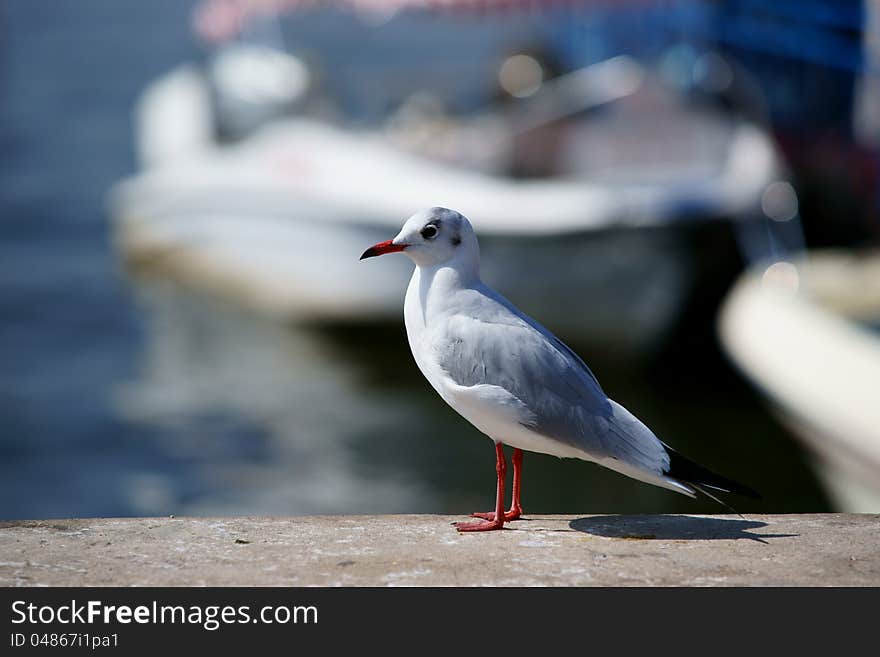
[
  {"x": 480, "y": 525},
  {"x": 512, "y": 514}
]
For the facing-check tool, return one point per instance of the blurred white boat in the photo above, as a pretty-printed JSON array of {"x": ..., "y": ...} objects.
[
  {"x": 277, "y": 220},
  {"x": 806, "y": 333}
]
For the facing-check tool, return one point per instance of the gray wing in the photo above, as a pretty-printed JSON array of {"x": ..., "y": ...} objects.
[{"x": 500, "y": 346}]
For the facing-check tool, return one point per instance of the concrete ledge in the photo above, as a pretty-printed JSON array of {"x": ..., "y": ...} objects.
[{"x": 776, "y": 550}]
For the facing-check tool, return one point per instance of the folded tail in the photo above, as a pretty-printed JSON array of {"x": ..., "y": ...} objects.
[{"x": 686, "y": 471}]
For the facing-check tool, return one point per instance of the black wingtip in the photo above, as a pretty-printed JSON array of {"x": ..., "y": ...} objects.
[{"x": 683, "y": 469}]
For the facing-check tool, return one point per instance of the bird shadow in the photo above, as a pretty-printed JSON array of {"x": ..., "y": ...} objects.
[{"x": 673, "y": 527}]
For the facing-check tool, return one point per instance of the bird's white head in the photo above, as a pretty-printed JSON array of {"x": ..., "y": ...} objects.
[{"x": 433, "y": 237}]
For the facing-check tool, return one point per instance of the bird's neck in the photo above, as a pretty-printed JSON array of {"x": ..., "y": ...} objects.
[
  {"x": 437, "y": 284},
  {"x": 448, "y": 277}
]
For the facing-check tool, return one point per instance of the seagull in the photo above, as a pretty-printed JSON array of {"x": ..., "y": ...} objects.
[{"x": 513, "y": 379}]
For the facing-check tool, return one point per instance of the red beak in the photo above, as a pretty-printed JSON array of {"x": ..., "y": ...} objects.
[{"x": 382, "y": 248}]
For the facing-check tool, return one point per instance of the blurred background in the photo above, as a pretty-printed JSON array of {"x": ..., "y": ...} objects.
[{"x": 684, "y": 190}]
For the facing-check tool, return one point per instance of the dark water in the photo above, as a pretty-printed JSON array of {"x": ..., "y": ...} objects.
[
  {"x": 68, "y": 331},
  {"x": 126, "y": 397}
]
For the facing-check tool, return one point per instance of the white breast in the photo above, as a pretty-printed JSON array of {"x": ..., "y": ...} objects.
[{"x": 418, "y": 334}]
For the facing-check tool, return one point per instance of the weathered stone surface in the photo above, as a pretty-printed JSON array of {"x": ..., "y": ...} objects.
[{"x": 775, "y": 550}]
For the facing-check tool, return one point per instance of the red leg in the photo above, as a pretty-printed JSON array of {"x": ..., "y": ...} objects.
[
  {"x": 515, "y": 511},
  {"x": 515, "y": 505},
  {"x": 497, "y": 522}
]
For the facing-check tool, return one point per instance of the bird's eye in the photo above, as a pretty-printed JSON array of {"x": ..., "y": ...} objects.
[{"x": 429, "y": 232}]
